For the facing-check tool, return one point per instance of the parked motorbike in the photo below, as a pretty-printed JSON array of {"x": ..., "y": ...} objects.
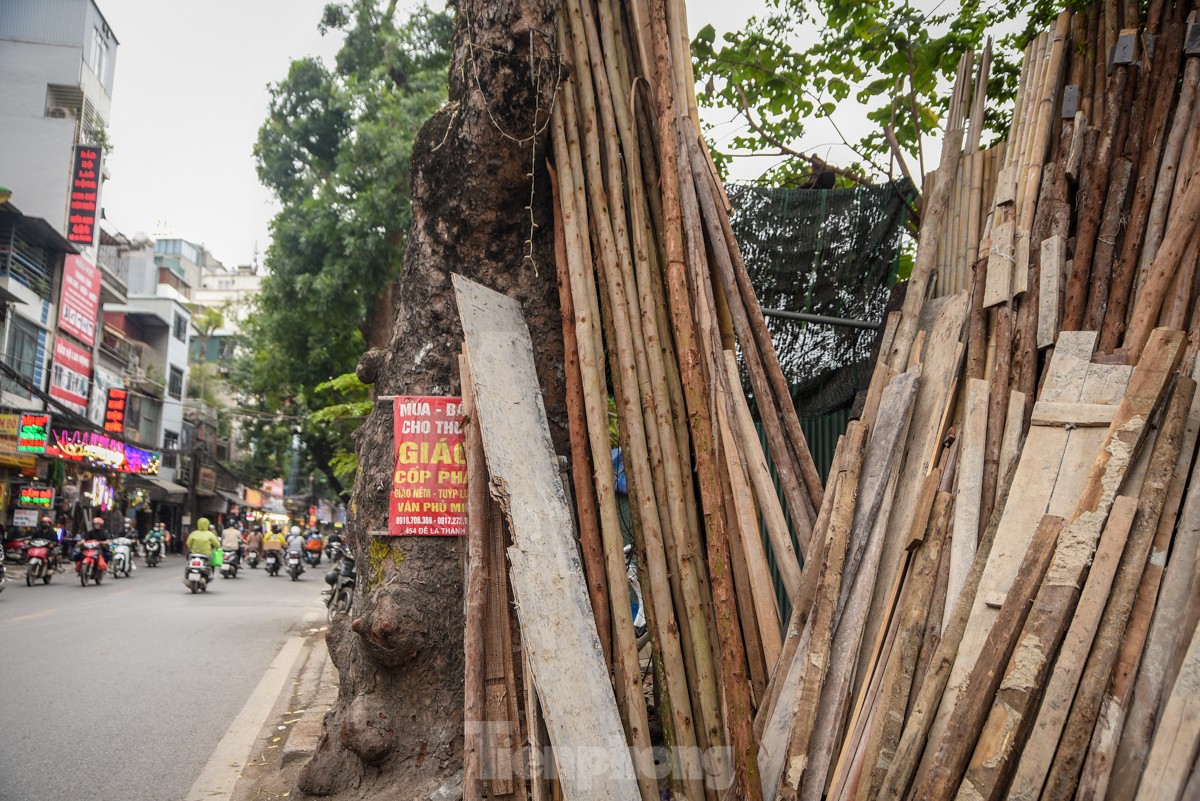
[
  {"x": 42, "y": 561},
  {"x": 122, "y": 557},
  {"x": 154, "y": 551},
  {"x": 93, "y": 565},
  {"x": 340, "y": 594},
  {"x": 252, "y": 560},
  {"x": 295, "y": 565},
  {"x": 198, "y": 572},
  {"x": 15, "y": 549},
  {"x": 272, "y": 563},
  {"x": 229, "y": 567}
]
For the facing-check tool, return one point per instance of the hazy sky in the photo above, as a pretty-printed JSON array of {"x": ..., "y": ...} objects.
[{"x": 189, "y": 96}]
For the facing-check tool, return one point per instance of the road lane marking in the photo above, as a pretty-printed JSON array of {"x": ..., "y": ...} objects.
[{"x": 30, "y": 616}]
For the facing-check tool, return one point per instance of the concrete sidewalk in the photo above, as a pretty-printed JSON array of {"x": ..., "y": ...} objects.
[{"x": 291, "y": 732}]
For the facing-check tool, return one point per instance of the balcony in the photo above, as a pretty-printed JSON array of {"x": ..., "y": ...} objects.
[{"x": 200, "y": 412}]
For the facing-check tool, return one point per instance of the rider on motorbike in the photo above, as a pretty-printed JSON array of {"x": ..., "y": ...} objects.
[
  {"x": 99, "y": 533},
  {"x": 45, "y": 531},
  {"x": 295, "y": 540},
  {"x": 203, "y": 541},
  {"x": 254, "y": 540},
  {"x": 231, "y": 540}
]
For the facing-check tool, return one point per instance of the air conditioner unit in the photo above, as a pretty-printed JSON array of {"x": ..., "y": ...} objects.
[{"x": 58, "y": 112}]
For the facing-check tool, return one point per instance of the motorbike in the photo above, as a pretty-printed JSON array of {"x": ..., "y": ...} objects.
[
  {"x": 340, "y": 594},
  {"x": 199, "y": 570},
  {"x": 229, "y": 567},
  {"x": 252, "y": 559},
  {"x": 92, "y": 566},
  {"x": 3, "y": 577},
  {"x": 272, "y": 563},
  {"x": 15, "y": 549},
  {"x": 312, "y": 556},
  {"x": 295, "y": 565},
  {"x": 154, "y": 550},
  {"x": 122, "y": 557},
  {"x": 42, "y": 561}
]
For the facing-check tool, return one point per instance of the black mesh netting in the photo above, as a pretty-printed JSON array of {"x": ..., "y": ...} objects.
[{"x": 829, "y": 252}]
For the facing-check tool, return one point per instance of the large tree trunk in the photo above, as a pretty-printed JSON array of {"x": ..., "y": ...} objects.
[{"x": 396, "y": 730}]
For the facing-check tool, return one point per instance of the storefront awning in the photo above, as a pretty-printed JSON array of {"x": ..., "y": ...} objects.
[
  {"x": 231, "y": 497},
  {"x": 167, "y": 487}
]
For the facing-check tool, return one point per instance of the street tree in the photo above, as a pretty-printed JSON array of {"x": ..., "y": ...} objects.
[
  {"x": 335, "y": 149},
  {"x": 481, "y": 206}
]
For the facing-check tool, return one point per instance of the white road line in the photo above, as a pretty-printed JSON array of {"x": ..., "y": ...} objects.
[{"x": 217, "y": 780}]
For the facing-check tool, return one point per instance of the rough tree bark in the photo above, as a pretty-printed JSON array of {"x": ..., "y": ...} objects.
[{"x": 479, "y": 183}]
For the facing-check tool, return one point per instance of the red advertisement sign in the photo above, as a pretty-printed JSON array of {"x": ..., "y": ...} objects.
[
  {"x": 71, "y": 374},
  {"x": 114, "y": 412},
  {"x": 85, "y": 195},
  {"x": 79, "y": 302},
  {"x": 429, "y": 487}
]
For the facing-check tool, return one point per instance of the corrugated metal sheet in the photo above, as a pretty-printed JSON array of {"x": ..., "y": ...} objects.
[{"x": 51, "y": 21}]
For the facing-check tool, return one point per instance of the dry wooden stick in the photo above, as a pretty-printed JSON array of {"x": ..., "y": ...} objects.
[
  {"x": 1177, "y": 739},
  {"x": 1115, "y": 632},
  {"x": 741, "y": 741},
  {"x": 581, "y": 460}
]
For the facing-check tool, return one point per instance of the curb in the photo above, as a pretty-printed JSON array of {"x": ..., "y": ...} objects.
[{"x": 316, "y": 690}]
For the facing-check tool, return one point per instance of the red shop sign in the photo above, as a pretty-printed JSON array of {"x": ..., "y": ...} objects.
[{"x": 429, "y": 488}]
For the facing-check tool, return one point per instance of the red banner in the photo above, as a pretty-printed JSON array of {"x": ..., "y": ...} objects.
[
  {"x": 429, "y": 489},
  {"x": 85, "y": 195},
  {"x": 71, "y": 375},
  {"x": 79, "y": 302}
]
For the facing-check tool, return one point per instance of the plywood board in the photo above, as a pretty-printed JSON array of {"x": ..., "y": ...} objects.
[{"x": 546, "y": 571}]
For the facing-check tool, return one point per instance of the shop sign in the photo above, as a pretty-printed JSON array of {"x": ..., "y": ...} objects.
[
  {"x": 429, "y": 487},
  {"x": 253, "y": 497},
  {"x": 34, "y": 432},
  {"x": 79, "y": 301},
  {"x": 25, "y": 518},
  {"x": 10, "y": 425},
  {"x": 114, "y": 412},
  {"x": 206, "y": 480},
  {"x": 36, "y": 496},
  {"x": 71, "y": 374},
  {"x": 100, "y": 450},
  {"x": 85, "y": 195}
]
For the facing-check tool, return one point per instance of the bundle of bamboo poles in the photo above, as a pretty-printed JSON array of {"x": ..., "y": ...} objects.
[
  {"x": 998, "y": 598},
  {"x": 655, "y": 300}
]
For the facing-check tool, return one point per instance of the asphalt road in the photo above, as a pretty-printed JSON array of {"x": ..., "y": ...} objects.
[{"x": 121, "y": 692}]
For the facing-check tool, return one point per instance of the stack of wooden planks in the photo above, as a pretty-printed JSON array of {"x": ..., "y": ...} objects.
[
  {"x": 1002, "y": 606},
  {"x": 995, "y": 598}
]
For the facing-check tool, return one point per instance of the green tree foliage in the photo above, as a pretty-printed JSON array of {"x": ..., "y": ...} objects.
[
  {"x": 335, "y": 150},
  {"x": 889, "y": 56}
]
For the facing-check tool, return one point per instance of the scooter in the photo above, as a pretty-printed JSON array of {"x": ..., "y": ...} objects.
[
  {"x": 42, "y": 563},
  {"x": 252, "y": 560},
  {"x": 154, "y": 549},
  {"x": 312, "y": 556},
  {"x": 229, "y": 566},
  {"x": 340, "y": 595},
  {"x": 122, "y": 557},
  {"x": 272, "y": 562},
  {"x": 92, "y": 566},
  {"x": 199, "y": 571},
  {"x": 15, "y": 549},
  {"x": 295, "y": 565}
]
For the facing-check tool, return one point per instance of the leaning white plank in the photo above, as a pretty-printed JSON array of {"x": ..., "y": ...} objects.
[
  {"x": 970, "y": 491},
  {"x": 591, "y": 754}
]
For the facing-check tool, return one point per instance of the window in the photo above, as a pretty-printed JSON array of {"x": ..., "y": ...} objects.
[
  {"x": 21, "y": 353},
  {"x": 175, "y": 384},
  {"x": 170, "y": 442},
  {"x": 181, "y": 327},
  {"x": 99, "y": 55}
]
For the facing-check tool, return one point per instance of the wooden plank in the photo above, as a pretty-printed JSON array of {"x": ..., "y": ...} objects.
[
  {"x": 1014, "y": 428},
  {"x": 546, "y": 572},
  {"x": 1073, "y": 415},
  {"x": 475, "y": 606},
  {"x": 1050, "y": 289},
  {"x": 950, "y": 752},
  {"x": 1004, "y": 733},
  {"x": 969, "y": 491},
  {"x": 1001, "y": 258},
  {"x": 1177, "y": 738},
  {"x": 1038, "y": 753},
  {"x": 824, "y": 620}
]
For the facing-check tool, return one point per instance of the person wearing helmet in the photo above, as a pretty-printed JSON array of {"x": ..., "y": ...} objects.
[
  {"x": 203, "y": 541},
  {"x": 98, "y": 532},
  {"x": 295, "y": 540}
]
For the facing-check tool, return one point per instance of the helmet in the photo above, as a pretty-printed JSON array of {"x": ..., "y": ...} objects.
[
  {"x": 46, "y": 519},
  {"x": 98, "y": 522},
  {"x": 295, "y": 531},
  {"x": 276, "y": 528}
]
